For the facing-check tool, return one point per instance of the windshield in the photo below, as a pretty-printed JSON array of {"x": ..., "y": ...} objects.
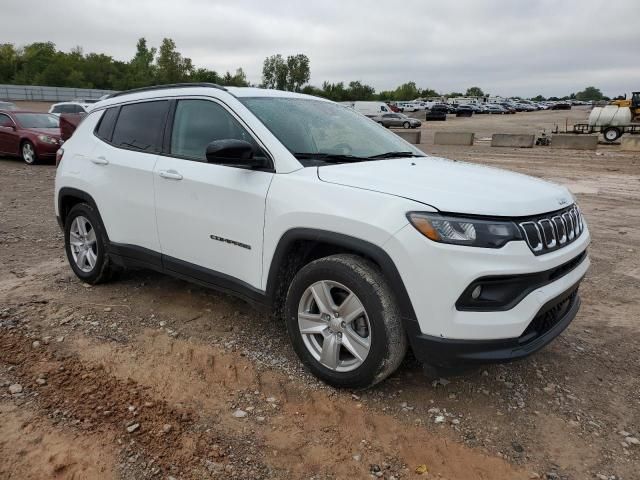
[
  {"x": 37, "y": 120},
  {"x": 318, "y": 128}
]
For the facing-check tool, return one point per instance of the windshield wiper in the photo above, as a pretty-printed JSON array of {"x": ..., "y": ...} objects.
[
  {"x": 395, "y": 155},
  {"x": 328, "y": 157}
]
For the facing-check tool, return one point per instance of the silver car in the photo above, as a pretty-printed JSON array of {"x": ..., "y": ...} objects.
[{"x": 397, "y": 120}]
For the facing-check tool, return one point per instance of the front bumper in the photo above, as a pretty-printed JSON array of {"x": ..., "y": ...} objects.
[
  {"x": 550, "y": 321},
  {"x": 435, "y": 275},
  {"x": 46, "y": 150}
]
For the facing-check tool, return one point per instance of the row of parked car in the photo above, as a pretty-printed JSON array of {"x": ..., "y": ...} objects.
[
  {"x": 494, "y": 107},
  {"x": 37, "y": 136},
  {"x": 440, "y": 110}
]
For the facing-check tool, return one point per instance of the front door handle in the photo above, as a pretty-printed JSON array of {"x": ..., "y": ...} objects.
[
  {"x": 170, "y": 174},
  {"x": 100, "y": 161}
]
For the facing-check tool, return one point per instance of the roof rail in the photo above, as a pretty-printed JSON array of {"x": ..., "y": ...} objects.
[{"x": 166, "y": 86}]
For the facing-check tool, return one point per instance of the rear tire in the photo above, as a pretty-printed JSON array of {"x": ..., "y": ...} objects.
[
  {"x": 347, "y": 344},
  {"x": 406, "y": 125},
  {"x": 611, "y": 134},
  {"x": 85, "y": 244},
  {"x": 28, "y": 153}
]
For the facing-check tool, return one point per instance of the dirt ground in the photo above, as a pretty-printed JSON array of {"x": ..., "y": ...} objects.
[{"x": 152, "y": 377}]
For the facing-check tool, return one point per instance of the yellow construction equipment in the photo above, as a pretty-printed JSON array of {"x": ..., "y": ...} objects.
[{"x": 632, "y": 104}]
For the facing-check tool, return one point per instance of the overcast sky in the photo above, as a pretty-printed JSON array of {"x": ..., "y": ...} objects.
[{"x": 506, "y": 47}]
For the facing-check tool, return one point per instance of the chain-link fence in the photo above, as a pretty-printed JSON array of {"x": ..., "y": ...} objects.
[{"x": 34, "y": 93}]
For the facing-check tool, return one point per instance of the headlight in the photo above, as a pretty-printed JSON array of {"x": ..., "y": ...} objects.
[
  {"x": 464, "y": 231},
  {"x": 47, "y": 139}
]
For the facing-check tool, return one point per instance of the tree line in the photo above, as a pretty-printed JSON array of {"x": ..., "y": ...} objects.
[{"x": 41, "y": 63}]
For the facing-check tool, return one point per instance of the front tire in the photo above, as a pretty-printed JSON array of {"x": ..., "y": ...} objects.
[
  {"x": 406, "y": 124},
  {"x": 85, "y": 244},
  {"x": 28, "y": 153},
  {"x": 344, "y": 323}
]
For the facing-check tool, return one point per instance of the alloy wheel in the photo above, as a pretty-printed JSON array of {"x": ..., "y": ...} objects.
[
  {"x": 334, "y": 326},
  {"x": 83, "y": 245},
  {"x": 28, "y": 153}
]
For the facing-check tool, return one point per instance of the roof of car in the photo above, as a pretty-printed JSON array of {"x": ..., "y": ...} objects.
[{"x": 163, "y": 91}]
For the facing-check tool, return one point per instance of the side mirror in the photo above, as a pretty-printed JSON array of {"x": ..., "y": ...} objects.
[{"x": 233, "y": 152}]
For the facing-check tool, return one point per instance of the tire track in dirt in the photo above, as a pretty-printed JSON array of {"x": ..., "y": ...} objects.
[{"x": 304, "y": 432}]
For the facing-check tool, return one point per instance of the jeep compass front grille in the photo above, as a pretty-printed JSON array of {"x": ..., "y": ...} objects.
[{"x": 546, "y": 233}]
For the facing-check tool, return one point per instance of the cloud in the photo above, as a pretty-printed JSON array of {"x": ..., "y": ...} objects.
[{"x": 505, "y": 47}]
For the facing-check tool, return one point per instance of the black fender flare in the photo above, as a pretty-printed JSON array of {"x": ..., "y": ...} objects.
[
  {"x": 74, "y": 192},
  {"x": 368, "y": 249}
]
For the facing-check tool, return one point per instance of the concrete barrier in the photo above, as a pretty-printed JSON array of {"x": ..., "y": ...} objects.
[
  {"x": 453, "y": 138},
  {"x": 575, "y": 142},
  {"x": 630, "y": 143},
  {"x": 512, "y": 140},
  {"x": 411, "y": 136}
]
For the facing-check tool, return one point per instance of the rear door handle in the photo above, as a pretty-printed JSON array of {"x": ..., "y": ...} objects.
[
  {"x": 100, "y": 161},
  {"x": 170, "y": 174}
]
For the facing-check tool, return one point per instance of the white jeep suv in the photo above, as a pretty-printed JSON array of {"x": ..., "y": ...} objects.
[{"x": 362, "y": 243}]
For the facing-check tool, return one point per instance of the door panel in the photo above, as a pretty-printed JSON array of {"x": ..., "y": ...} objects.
[
  {"x": 210, "y": 215},
  {"x": 213, "y": 216},
  {"x": 9, "y": 139},
  {"x": 123, "y": 186},
  {"x": 121, "y": 168}
]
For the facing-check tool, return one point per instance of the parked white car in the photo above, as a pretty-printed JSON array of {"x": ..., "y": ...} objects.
[
  {"x": 70, "y": 107},
  {"x": 369, "y": 109},
  {"x": 362, "y": 243}
]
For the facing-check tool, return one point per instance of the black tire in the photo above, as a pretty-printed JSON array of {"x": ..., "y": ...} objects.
[
  {"x": 388, "y": 341},
  {"x": 406, "y": 125},
  {"x": 29, "y": 159},
  {"x": 103, "y": 269},
  {"x": 611, "y": 134}
]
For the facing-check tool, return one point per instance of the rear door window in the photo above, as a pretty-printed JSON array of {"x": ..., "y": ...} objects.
[
  {"x": 140, "y": 126},
  {"x": 107, "y": 122}
]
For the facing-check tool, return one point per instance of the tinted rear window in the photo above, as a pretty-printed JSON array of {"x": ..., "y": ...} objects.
[
  {"x": 140, "y": 125},
  {"x": 105, "y": 128}
]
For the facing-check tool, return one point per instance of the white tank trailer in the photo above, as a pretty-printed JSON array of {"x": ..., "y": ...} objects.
[
  {"x": 610, "y": 116},
  {"x": 611, "y": 121}
]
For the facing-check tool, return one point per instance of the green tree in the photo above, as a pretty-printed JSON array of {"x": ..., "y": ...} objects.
[
  {"x": 589, "y": 93},
  {"x": 141, "y": 69},
  {"x": 274, "y": 72},
  {"x": 359, "y": 91},
  {"x": 8, "y": 62},
  {"x": 290, "y": 74},
  {"x": 298, "y": 71},
  {"x": 428, "y": 92},
  {"x": 334, "y": 91},
  {"x": 407, "y": 91},
  {"x": 205, "y": 75},
  {"x": 34, "y": 59},
  {"x": 172, "y": 67},
  {"x": 474, "y": 92},
  {"x": 538, "y": 98},
  {"x": 239, "y": 79},
  {"x": 99, "y": 70}
]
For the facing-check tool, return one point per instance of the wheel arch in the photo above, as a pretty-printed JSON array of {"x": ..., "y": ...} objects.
[
  {"x": 299, "y": 246},
  {"x": 68, "y": 197}
]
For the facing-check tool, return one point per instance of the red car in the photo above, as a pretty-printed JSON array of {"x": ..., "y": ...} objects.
[{"x": 32, "y": 136}]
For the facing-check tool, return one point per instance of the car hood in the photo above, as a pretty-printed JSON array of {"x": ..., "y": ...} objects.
[
  {"x": 452, "y": 186},
  {"x": 52, "y": 132}
]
